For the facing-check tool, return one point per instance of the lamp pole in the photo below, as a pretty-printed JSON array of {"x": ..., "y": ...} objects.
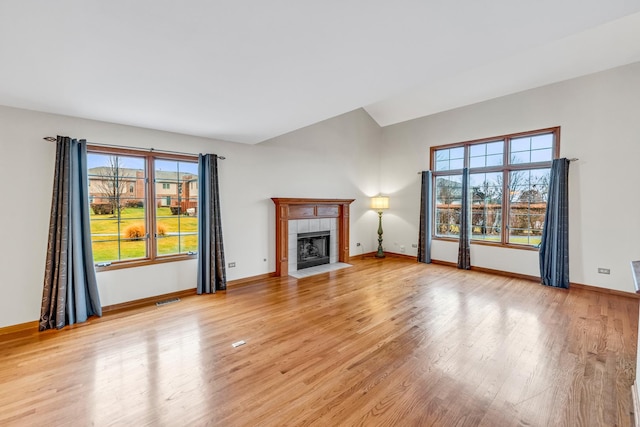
[
  {"x": 380, "y": 253},
  {"x": 380, "y": 203}
]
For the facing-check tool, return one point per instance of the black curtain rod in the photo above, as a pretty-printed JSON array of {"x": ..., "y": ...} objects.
[{"x": 152, "y": 150}]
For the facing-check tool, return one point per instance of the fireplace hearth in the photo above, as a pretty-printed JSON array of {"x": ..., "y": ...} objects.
[{"x": 313, "y": 249}]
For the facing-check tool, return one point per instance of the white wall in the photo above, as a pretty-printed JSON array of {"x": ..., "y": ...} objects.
[
  {"x": 599, "y": 117},
  {"x": 338, "y": 158},
  {"x": 345, "y": 157}
]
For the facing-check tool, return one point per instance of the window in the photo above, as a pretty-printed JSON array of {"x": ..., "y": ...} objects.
[
  {"x": 130, "y": 194},
  {"x": 177, "y": 229},
  {"x": 508, "y": 186}
]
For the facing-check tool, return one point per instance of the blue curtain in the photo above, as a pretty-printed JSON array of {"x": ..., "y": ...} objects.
[
  {"x": 554, "y": 247},
  {"x": 212, "y": 275},
  {"x": 70, "y": 293},
  {"x": 426, "y": 208},
  {"x": 464, "y": 251}
]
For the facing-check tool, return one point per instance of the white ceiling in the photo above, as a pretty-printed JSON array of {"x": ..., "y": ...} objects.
[{"x": 250, "y": 70}]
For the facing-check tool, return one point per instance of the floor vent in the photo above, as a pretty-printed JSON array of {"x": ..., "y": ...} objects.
[{"x": 167, "y": 301}]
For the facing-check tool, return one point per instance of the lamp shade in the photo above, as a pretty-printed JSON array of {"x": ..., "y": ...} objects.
[{"x": 379, "y": 203}]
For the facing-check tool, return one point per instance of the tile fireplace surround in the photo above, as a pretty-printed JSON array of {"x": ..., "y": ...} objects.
[{"x": 333, "y": 213}]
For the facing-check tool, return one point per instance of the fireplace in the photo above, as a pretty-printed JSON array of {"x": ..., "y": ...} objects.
[
  {"x": 295, "y": 216},
  {"x": 313, "y": 249}
]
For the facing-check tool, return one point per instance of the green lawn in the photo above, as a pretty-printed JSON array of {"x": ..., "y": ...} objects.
[
  {"x": 108, "y": 231},
  {"x": 525, "y": 240},
  {"x": 514, "y": 239}
]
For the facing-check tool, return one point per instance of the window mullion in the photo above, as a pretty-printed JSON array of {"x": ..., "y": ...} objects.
[
  {"x": 506, "y": 196},
  {"x": 151, "y": 209},
  {"x": 506, "y": 206},
  {"x": 529, "y": 166},
  {"x": 466, "y": 156},
  {"x": 506, "y": 152}
]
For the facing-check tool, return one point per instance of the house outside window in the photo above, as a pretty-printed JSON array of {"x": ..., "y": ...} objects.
[
  {"x": 508, "y": 187},
  {"x": 134, "y": 218}
]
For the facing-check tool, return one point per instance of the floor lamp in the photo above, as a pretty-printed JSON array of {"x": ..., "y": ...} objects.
[{"x": 380, "y": 203}]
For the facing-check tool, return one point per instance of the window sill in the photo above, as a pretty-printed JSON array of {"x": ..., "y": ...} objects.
[
  {"x": 491, "y": 244},
  {"x": 119, "y": 265}
]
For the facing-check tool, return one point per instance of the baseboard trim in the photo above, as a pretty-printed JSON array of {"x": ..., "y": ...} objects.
[
  {"x": 405, "y": 256},
  {"x": 445, "y": 263},
  {"x": 490, "y": 271},
  {"x": 362, "y": 256},
  {"x": 129, "y": 305},
  {"x": 139, "y": 303},
  {"x": 250, "y": 280},
  {"x": 536, "y": 279},
  {"x": 179, "y": 294},
  {"x": 21, "y": 327},
  {"x": 386, "y": 255},
  {"x": 604, "y": 290},
  {"x": 33, "y": 325}
]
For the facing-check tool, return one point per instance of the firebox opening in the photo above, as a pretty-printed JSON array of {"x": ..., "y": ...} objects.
[{"x": 313, "y": 249}]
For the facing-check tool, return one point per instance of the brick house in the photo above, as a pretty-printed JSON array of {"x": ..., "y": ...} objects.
[{"x": 172, "y": 189}]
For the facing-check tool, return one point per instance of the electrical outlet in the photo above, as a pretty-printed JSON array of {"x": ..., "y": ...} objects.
[
  {"x": 604, "y": 271},
  {"x": 358, "y": 244},
  {"x": 232, "y": 264},
  {"x": 402, "y": 248}
]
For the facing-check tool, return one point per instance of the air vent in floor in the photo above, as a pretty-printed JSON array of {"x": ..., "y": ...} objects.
[{"x": 167, "y": 301}]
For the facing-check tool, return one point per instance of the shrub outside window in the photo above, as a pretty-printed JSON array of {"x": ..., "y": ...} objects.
[
  {"x": 508, "y": 187},
  {"x": 136, "y": 215}
]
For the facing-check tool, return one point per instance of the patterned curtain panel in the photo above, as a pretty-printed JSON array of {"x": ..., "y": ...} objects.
[
  {"x": 554, "y": 247},
  {"x": 212, "y": 275},
  {"x": 426, "y": 208},
  {"x": 464, "y": 252},
  {"x": 70, "y": 293}
]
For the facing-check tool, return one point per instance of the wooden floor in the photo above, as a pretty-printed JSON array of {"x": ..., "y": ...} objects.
[{"x": 385, "y": 342}]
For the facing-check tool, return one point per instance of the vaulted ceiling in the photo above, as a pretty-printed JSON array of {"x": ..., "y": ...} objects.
[{"x": 250, "y": 70}]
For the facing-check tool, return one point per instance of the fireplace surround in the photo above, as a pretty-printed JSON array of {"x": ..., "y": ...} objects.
[{"x": 302, "y": 208}]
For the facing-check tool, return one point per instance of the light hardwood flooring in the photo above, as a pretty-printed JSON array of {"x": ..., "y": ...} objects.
[{"x": 385, "y": 342}]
